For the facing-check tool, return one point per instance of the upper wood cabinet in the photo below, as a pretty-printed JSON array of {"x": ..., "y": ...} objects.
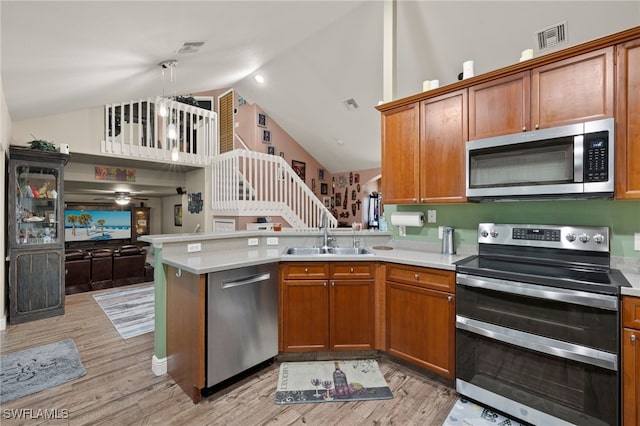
[
  {"x": 400, "y": 162},
  {"x": 628, "y": 120},
  {"x": 443, "y": 136},
  {"x": 576, "y": 89},
  {"x": 499, "y": 107},
  {"x": 423, "y": 150}
]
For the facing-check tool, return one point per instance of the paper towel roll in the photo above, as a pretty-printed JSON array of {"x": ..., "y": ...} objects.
[
  {"x": 467, "y": 69},
  {"x": 407, "y": 219}
]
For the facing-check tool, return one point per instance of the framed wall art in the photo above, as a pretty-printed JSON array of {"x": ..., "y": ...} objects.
[
  {"x": 324, "y": 189},
  {"x": 262, "y": 120},
  {"x": 177, "y": 215},
  {"x": 266, "y": 136},
  {"x": 300, "y": 168},
  {"x": 271, "y": 150}
]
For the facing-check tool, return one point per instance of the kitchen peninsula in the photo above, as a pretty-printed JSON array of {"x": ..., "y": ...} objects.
[{"x": 182, "y": 261}]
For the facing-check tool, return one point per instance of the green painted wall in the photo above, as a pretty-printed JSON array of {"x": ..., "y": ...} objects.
[{"x": 622, "y": 217}]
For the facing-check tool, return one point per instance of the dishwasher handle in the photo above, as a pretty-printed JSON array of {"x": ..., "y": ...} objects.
[{"x": 253, "y": 279}]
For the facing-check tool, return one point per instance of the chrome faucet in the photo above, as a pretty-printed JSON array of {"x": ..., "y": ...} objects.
[{"x": 324, "y": 223}]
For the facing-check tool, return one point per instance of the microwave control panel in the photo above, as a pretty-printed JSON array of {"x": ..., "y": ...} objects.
[{"x": 596, "y": 157}]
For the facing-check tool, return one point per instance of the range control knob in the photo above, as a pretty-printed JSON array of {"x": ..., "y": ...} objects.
[
  {"x": 484, "y": 233},
  {"x": 570, "y": 237},
  {"x": 598, "y": 238},
  {"x": 494, "y": 233},
  {"x": 584, "y": 238}
]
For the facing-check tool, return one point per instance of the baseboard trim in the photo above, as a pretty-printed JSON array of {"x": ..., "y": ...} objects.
[{"x": 159, "y": 366}]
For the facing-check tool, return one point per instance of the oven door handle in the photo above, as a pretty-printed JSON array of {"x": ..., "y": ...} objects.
[
  {"x": 575, "y": 297},
  {"x": 539, "y": 343}
]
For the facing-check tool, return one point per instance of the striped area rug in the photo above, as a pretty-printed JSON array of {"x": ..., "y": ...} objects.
[{"x": 131, "y": 311}]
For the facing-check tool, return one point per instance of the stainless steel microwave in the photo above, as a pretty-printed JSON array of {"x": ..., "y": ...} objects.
[{"x": 572, "y": 161}]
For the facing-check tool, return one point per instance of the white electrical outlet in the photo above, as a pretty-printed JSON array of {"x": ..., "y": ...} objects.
[
  {"x": 431, "y": 216},
  {"x": 253, "y": 241},
  {"x": 636, "y": 241},
  {"x": 272, "y": 241},
  {"x": 192, "y": 248}
]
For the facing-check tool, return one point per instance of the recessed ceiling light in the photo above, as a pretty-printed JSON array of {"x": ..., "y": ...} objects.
[{"x": 259, "y": 78}]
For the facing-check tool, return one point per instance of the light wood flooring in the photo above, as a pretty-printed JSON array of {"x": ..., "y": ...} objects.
[{"x": 120, "y": 388}]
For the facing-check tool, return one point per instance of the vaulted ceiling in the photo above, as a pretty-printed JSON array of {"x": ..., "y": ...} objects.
[{"x": 61, "y": 56}]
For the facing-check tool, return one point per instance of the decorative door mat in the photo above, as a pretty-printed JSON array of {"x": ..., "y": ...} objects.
[
  {"x": 131, "y": 311},
  {"x": 35, "y": 369},
  {"x": 331, "y": 381},
  {"x": 467, "y": 413}
]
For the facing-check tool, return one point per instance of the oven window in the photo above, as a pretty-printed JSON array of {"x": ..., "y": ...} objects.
[
  {"x": 582, "y": 325},
  {"x": 576, "y": 392},
  {"x": 531, "y": 163}
]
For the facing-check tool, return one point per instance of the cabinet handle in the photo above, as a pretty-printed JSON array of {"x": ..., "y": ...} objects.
[
  {"x": 524, "y": 129},
  {"x": 351, "y": 270},
  {"x": 633, "y": 338},
  {"x": 449, "y": 298},
  {"x": 306, "y": 270},
  {"x": 324, "y": 284},
  {"x": 537, "y": 126},
  {"x": 415, "y": 200},
  {"x": 417, "y": 277},
  {"x": 333, "y": 283},
  {"x": 66, "y": 271}
]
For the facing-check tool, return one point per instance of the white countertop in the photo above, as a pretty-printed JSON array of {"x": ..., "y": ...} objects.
[{"x": 634, "y": 280}]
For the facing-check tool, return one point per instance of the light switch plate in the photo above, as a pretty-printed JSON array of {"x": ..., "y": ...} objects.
[
  {"x": 431, "y": 216},
  {"x": 253, "y": 241},
  {"x": 636, "y": 241},
  {"x": 194, "y": 247}
]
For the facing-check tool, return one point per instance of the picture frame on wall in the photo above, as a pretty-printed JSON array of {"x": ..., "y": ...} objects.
[
  {"x": 324, "y": 189},
  {"x": 262, "y": 120},
  {"x": 271, "y": 150},
  {"x": 320, "y": 174},
  {"x": 300, "y": 168},
  {"x": 327, "y": 202},
  {"x": 177, "y": 215},
  {"x": 266, "y": 136}
]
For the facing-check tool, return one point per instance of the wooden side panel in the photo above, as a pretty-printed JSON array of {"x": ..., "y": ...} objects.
[
  {"x": 351, "y": 314},
  {"x": 186, "y": 299},
  {"x": 628, "y": 121}
]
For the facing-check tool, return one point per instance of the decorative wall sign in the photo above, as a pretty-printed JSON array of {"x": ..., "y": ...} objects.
[
  {"x": 342, "y": 181},
  {"x": 115, "y": 174},
  {"x": 195, "y": 202}
]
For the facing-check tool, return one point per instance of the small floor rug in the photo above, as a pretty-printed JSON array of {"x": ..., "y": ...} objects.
[
  {"x": 310, "y": 382},
  {"x": 131, "y": 310},
  {"x": 467, "y": 413},
  {"x": 32, "y": 370}
]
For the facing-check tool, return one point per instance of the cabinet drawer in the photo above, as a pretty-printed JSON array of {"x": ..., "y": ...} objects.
[
  {"x": 631, "y": 312},
  {"x": 352, "y": 270},
  {"x": 305, "y": 270},
  {"x": 437, "y": 279}
]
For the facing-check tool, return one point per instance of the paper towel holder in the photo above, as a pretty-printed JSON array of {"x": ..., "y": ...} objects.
[{"x": 404, "y": 219}]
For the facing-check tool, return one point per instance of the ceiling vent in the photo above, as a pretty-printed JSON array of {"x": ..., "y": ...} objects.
[
  {"x": 350, "y": 103},
  {"x": 191, "y": 47},
  {"x": 552, "y": 36}
]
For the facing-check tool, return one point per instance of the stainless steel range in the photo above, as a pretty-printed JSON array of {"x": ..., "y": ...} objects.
[{"x": 537, "y": 324}]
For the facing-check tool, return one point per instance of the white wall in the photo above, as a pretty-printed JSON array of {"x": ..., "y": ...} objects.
[{"x": 5, "y": 136}]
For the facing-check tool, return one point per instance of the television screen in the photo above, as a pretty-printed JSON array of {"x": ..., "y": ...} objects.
[{"x": 96, "y": 225}]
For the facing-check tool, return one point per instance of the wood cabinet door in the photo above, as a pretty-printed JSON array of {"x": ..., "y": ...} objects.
[
  {"x": 573, "y": 90},
  {"x": 421, "y": 327},
  {"x": 630, "y": 377},
  {"x": 400, "y": 145},
  {"x": 500, "y": 107},
  {"x": 628, "y": 120},
  {"x": 444, "y": 133},
  {"x": 305, "y": 315},
  {"x": 351, "y": 314}
]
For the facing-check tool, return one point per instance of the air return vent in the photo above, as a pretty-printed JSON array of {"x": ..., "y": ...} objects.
[
  {"x": 552, "y": 36},
  {"x": 191, "y": 47}
]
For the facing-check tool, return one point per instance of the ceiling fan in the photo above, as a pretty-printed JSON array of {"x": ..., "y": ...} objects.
[{"x": 122, "y": 198}]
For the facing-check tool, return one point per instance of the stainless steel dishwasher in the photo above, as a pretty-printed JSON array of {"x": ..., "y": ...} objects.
[{"x": 242, "y": 320}]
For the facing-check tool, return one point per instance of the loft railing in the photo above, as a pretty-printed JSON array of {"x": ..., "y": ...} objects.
[
  {"x": 249, "y": 183},
  {"x": 137, "y": 129}
]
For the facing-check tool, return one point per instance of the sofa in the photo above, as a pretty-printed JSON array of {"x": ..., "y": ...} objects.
[
  {"x": 129, "y": 265},
  {"x": 101, "y": 269},
  {"x": 77, "y": 271}
]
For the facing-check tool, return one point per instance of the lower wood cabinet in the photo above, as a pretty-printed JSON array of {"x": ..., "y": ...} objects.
[
  {"x": 326, "y": 306},
  {"x": 420, "y": 317},
  {"x": 631, "y": 361}
]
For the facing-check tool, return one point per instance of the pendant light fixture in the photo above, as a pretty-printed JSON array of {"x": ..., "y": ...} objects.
[{"x": 163, "y": 109}]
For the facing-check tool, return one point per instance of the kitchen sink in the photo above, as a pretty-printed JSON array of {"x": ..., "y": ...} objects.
[{"x": 338, "y": 251}]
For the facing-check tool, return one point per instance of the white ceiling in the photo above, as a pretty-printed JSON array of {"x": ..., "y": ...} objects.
[{"x": 63, "y": 56}]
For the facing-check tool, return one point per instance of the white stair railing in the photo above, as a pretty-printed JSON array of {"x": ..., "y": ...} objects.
[
  {"x": 249, "y": 183},
  {"x": 136, "y": 129}
]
